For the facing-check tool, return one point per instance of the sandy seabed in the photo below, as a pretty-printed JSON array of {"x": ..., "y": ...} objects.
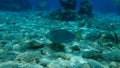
[{"x": 23, "y": 42}]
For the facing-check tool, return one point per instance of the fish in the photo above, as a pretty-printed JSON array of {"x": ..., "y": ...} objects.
[{"x": 60, "y": 36}]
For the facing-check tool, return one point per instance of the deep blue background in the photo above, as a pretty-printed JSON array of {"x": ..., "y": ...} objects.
[{"x": 104, "y": 6}]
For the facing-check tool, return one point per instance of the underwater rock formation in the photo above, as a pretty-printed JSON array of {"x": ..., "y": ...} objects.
[
  {"x": 109, "y": 39},
  {"x": 69, "y": 9},
  {"x": 112, "y": 56},
  {"x": 14, "y": 5},
  {"x": 85, "y": 8},
  {"x": 93, "y": 54},
  {"x": 68, "y": 12},
  {"x": 68, "y": 4},
  {"x": 63, "y": 15},
  {"x": 57, "y": 47}
]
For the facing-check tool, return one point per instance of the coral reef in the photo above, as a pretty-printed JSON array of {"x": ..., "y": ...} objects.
[
  {"x": 63, "y": 15},
  {"x": 68, "y": 4},
  {"x": 68, "y": 12},
  {"x": 85, "y": 8}
]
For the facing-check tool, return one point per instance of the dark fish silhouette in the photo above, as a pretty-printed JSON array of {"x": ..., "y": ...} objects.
[{"x": 60, "y": 36}]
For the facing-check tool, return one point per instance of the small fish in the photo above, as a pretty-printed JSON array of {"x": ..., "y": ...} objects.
[{"x": 60, "y": 36}]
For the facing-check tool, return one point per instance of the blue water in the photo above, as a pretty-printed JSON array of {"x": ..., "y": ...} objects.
[
  {"x": 35, "y": 34},
  {"x": 104, "y": 6}
]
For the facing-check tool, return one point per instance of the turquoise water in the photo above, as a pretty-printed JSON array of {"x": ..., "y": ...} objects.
[{"x": 59, "y": 34}]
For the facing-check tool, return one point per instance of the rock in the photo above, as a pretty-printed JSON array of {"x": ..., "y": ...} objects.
[
  {"x": 108, "y": 39},
  {"x": 10, "y": 55},
  {"x": 76, "y": 61},
  {"x": 10, "y": 64},
  {"x": 57, "y": 47},
  {"x": 63, "y": 15},
  {"x": 9, "y": 46},
  {"x": 85, "y": 8},
  {"x": 94, "y": 64},
  {"x": 13, "y": 64},
  {"x": 30, "y": 45},
  {"x": 112, "y": 56},
  {"x": 68, "y": 4},
  {"x": 2, "y": 55},
  {"x": 7, "y": 56},
  {"x": 92, "y": 54},
  {"x": 59, "y": 63},
  {"x": 24, "y": 45},
  {"x": 73, "y": 62},
  {"x": 45, "y": 61},
  {"x": 117, "y": 36},
  {"x": 113, "y": 65},
  {"x": 85, "y": 65},
  {"x": 75, "y": 48},
  {"x": 118, "y": 65},
  {"x": 64, "y": 56},
  {"x": 29, "y": 56},
  {"x": 90, "y": 34},
  {"x": 32, "y": 66}
]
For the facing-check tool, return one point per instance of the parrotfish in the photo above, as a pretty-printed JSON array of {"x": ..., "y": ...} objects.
[{"x": 60, "y": 36}]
